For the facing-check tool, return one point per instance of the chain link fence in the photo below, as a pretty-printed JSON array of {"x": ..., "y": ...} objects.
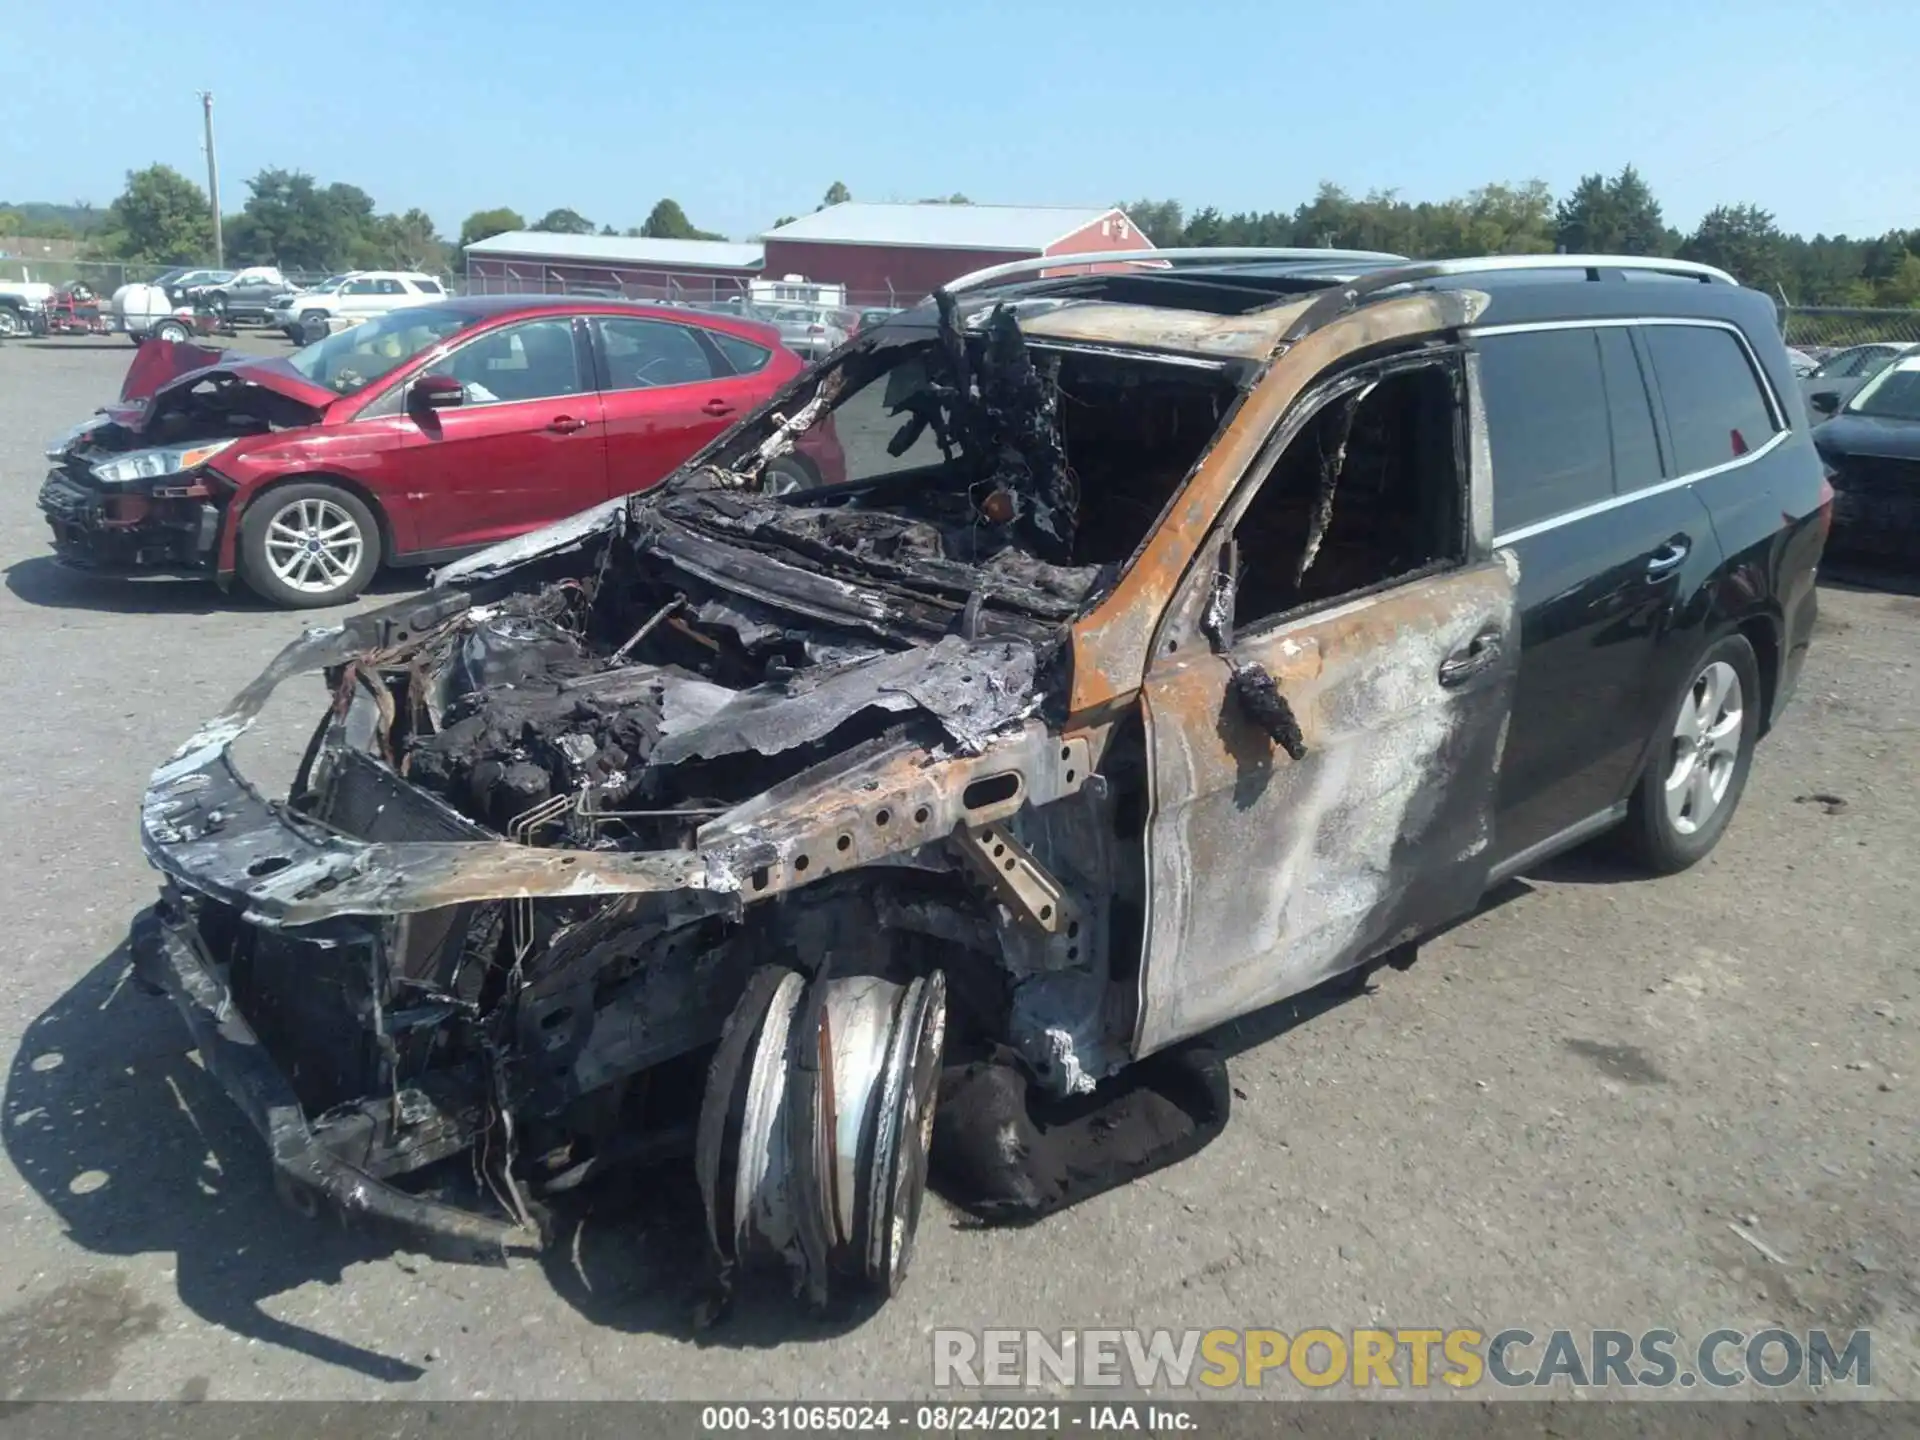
[
  {"x": 104, "y": 277},
  {"x": 1819, "y": 328}
]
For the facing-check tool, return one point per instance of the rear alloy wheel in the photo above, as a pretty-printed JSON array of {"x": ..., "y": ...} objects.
[
  {"x": 1699, "y": 762},
  {"x": 171, "y": 330},
  {"x": 9, "y": 322},
  {"x": 309, "y": 544}
]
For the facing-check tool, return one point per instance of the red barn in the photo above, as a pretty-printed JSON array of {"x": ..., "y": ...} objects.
[
  {"x": 895, "y": 254},
  {"x": 540, "y": 262}
]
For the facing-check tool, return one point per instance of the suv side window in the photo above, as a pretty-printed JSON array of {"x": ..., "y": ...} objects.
[
  {"x": 1547, "y": 424},
  {"x": 1636, "y": 449},
  {"x": 357, "y": 287},
  {"x": 1716, "y": 411},
  {"x": 390, "y": 287}
]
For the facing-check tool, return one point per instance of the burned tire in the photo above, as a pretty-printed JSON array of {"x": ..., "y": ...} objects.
[
  {"x": 170, "y": 330},
  {"x": 1697, "y": 767},
  {"x": 308, "y": 544}
]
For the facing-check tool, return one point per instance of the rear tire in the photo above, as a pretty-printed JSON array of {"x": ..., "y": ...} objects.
[
  {"x": 170, "y": 330},
  {"x": 307, "y": 545},
  {"x": 10, "y": 322},
  {"x": 313, "y": 327},
  {"x": 789, "y": 475},
  {"x": 1698, "y": 764}
]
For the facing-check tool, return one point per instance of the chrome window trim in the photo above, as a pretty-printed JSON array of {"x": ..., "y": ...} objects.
[
  {"x": 1600, "y": 507},
  {"x": 1774, "y": 408}
]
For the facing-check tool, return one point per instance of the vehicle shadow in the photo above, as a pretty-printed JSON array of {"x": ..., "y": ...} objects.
[
  {"x": 111, "y": 1121},
  {"x": 634, "y": 1256},
  {"x": 137, "y": 1151},
  {"x": 99, "y": 342},
  {"x": 44, "y": 582}
]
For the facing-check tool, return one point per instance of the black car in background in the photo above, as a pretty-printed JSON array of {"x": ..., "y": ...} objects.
[
  {"x": 1839, "y": 377},
  {"x": 1872, "y": 453}
]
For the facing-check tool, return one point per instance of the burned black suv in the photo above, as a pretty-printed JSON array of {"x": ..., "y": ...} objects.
[{"x": 1135, "y": 650}]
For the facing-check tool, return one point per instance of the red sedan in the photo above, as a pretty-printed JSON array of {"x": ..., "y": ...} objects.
[{"x": 406, "y": 441}]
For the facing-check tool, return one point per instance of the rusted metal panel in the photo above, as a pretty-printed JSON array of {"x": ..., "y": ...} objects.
[
  {"x": 1268, "y": 874},
  {"x": 1111, "y": 643}
]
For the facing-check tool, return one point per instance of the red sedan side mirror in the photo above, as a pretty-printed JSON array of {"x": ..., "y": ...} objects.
[{"x": 436, "y": 392}]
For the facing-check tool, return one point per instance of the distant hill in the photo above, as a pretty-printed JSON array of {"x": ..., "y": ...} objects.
[{"x": 37, "y": 217}]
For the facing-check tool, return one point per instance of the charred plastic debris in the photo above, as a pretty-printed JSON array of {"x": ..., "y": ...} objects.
[{"x": 769, "y": 844}]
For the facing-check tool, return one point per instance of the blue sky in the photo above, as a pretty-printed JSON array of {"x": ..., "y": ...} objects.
[{"x": 748, "y": 110}]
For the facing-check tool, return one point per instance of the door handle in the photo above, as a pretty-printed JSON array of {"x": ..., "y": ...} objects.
[
  {"x": 1667, "y": 558},
  {"x": 1472, "y": 658},
  {"x": 565, "y": 425},
  {"x": 717, "y": 407}
]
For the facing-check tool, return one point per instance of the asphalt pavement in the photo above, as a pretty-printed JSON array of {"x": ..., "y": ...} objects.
[{"x": 1603, "y": 1102}]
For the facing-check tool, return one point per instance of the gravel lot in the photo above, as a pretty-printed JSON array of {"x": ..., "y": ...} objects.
[{"x": 1552, "y": 1119}]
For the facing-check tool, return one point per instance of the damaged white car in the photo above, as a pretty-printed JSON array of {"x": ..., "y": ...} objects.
[{"x": 1152, "y": 662}]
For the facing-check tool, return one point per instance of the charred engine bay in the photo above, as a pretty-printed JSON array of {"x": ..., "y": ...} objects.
[
  {"x": 726, "y": 642},
  {"x": 724, "y": 639}
]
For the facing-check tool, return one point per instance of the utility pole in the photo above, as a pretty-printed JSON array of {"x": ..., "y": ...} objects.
[{"x": 213, "y": 182}]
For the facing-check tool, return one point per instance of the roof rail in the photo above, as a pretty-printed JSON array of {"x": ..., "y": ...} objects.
[
  {"x": 1346, "y": 296},
  {"x": 1169, "y": 259}
]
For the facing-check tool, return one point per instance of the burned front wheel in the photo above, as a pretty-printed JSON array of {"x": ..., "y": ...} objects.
[
  {"x": 308, "y": 544},
  {"x": 815, "y": 1128}
]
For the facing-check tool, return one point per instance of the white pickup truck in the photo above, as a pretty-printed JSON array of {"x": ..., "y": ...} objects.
[{"x": 19, "y": 299}]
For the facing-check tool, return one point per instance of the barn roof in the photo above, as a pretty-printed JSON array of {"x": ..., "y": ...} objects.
[
  {"x": 620, "y": 250},
  {"x": 1028, "y": 228}
]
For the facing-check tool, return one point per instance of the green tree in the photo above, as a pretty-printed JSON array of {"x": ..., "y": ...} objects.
[
  {"x": 408, "y": 242},
  {"x": 9, "y": 222},
  {"x": 1743, "y": 241},
  {"x": 160, "y": 218},
  {"x": 1161, "y": 221},
  {"x": 785, "y": 220},
  {"x": 954, "y": 199},
  {"x": 563, "y": 222},
  {"x": 667, "y": 221},
  {"x": 1611, "y": 217},
  {"x": 293, "y": 221},
  {"x": 837, "y": 194},
  {"x": 485, "y": 223},
  {"x": 1903, "y": 286}
]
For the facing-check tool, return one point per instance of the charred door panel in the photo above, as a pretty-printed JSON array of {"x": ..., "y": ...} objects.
[{"x": 1268, "y": 874}]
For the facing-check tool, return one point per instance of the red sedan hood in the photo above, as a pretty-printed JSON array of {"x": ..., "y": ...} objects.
[{"x": 161, "y": 367}]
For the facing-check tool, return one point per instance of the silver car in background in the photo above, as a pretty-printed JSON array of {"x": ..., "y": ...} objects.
[{"x": 810, "y": 331}]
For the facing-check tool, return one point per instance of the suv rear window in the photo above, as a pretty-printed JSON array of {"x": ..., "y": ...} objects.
[
  {"x": 1716, "y": 411},
  {"x": 1547, "y": 424}
]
